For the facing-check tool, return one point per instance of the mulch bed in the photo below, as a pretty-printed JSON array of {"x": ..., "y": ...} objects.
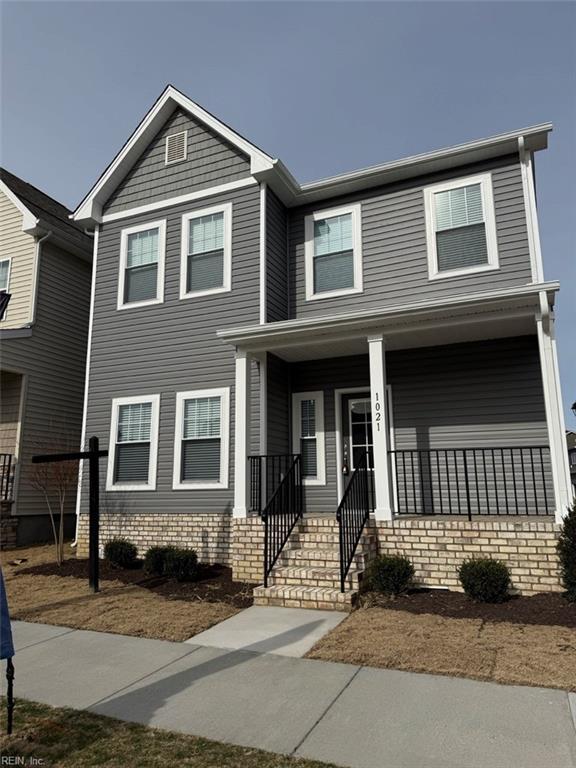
[
  {"x": 546, "y": 609},
  {"x": 214, "y": 582}
]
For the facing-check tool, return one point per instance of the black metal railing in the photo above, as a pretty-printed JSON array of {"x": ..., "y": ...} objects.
[
  {"x": 266, "y": 474},
  {"x": 352, "y": 515},
  {"x": 473, "y": 481},
  {"x": 281, "y": 514},
  {"x": 6, "y": 476}
]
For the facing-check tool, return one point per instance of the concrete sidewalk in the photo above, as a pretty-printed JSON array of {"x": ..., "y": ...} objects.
[{"x": 348, "y": 715}]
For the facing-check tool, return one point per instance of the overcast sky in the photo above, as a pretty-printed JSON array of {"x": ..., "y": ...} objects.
[{"x": 327, "y": 87}]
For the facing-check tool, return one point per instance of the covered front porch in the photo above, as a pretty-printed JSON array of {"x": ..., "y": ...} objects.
[{"x": 456, "y": 404}]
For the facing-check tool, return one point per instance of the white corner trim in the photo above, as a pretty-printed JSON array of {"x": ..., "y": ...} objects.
[
  {"x": 356, "y": 211},
  {"x": 161, "y": 227},
  {"x": 179, "y": 159},
  {"x": 263, "y": 287},
  {"x": 189, "y": 197},
  {"x": 226, "y": 286},
  {"x": 224, "y": 394},
  {"x": 318, "y": 397},
  {"x": 29, "y": 221},
  {"x": 529, "y": 193},
  {"x": 152, "y": 464},
  {"x": 87, "y": 374},
  {"x": 485, "y": 181}
]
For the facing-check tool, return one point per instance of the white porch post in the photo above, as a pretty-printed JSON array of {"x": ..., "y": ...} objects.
[
  {"x": 563, "y": 496},
  {"x": 380, "y": 428},
  {"x": 241, "y": 434}
]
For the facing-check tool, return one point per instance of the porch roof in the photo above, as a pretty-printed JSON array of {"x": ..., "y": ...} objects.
[{"x": 473, "y": 317}]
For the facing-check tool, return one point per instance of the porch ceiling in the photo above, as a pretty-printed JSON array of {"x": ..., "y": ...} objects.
[{"x": 469, "y": 318}]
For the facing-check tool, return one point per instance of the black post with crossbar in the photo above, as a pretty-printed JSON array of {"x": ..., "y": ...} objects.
[{"x": 93, "y": 455}]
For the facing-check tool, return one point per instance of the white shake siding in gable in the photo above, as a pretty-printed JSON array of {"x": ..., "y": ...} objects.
[
  {"x": 210, "y": 161},
  {"x": 172, "y": 347},
  {"x": 395, "y": 263}
]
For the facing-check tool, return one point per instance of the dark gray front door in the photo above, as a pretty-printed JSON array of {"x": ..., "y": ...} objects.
[{"x": 356, "y": 432}]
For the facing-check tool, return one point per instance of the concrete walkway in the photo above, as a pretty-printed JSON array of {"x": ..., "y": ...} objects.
[{"x": 348, "y": 715}]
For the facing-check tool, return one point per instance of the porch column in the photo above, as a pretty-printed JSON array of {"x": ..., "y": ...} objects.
[
  {"x": 380, "y": 428},
  {"x": 563, "y": 495},
  {"x": 241, "y": 434}
]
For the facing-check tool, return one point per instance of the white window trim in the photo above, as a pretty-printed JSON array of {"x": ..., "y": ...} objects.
[
  {"x": 161, "y": 226},
  {"x": 485, "y": 181},
  {"x": 152, "y": 465},
  {"x": 190, "y": 485},
  {"x": 297, "y": 398},
  {"x": 180, "y": 159},
  {"x": 356, "y": 211},
  {"x": 226, "y": 209},
  {"x": 7, "y": 289}
]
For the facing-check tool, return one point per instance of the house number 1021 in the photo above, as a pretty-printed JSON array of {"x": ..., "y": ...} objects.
[{"x": 377, "y": 411}]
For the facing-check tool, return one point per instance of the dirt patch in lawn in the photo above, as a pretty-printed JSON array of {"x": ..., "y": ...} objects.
[
  {"x": 73, "y": 739},
  {"x": 129, "y": 603},
  {"x": 499, "y": 651}
]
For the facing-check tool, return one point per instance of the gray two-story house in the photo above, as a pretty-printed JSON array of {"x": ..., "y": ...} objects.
[{"x": 289, "y": 377}]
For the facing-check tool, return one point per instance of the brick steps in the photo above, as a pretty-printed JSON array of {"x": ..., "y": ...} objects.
[{"x": 307, "y": 573}]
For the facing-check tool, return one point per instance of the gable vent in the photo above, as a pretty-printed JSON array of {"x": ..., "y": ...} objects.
[{"x": 176, "y": 147}]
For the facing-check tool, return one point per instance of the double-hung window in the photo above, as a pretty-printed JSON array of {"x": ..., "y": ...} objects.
[
  {"x": 333, "y": 252},
  {"x": 142, "y": 250},
  {"x": 4, "y": 274},
  {"x": 133, "y": 447},
  {"x": 460, "y": 227},
  {"x": 308, "y": 435},
  {"x": 201, "y": 439},
  {"x": 206, "y": 262}
]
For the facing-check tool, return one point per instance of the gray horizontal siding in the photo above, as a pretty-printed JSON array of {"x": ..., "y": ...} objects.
[
  {"x": 395, "y": 263},
  {"x": 211, "y": 161},
  {"x": 481, "y": 394},
  {"x": 172, "y": 347},
  {"x": 276, "y": 259},
  {"x": 53, "y": 359},
  {"x": 278, "y": 406}
]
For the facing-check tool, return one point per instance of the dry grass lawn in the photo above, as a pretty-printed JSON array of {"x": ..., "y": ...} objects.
[
  {"x": 69, "y": 739},
  {"x": 128, "y": 603},
  {"x": 502, "y": 652}
]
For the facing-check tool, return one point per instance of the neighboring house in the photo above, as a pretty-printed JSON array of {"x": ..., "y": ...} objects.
[
  {"x": 240, "y": 319},
  {"x": 571, "y": 443},
  {"x": 45, "y": 266}
]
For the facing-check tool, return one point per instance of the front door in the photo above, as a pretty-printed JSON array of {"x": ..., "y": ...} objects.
[{"x": 356, "y": 432}]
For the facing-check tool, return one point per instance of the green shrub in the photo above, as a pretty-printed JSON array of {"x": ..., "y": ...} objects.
[
  {"x": 485, "y": 579},
  {"x": 121, "y": 553},
  {"x": 181, "y": 564},
  {"x": 390, "y": 574},
  {"x": 155, "y": 560},
  {"x": 567, "y": 553}
]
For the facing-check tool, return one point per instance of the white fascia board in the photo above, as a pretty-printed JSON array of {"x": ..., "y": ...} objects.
[
  {"x": 245, "y": 336},
  {"x": 91, "y": 205},
  {"x": 29, "y": 221}
]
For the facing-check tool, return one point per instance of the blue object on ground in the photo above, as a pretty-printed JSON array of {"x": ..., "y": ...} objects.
[{"x": 6, "y": 644}]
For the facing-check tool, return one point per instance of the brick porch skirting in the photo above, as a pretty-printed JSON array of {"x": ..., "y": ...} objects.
[
  {"x": 8, "y": 526},
  {"x": 436, "y": 547}
]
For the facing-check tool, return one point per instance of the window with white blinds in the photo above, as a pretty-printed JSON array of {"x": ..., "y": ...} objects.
[
  {"x": 133, "y": 443},
  {"x": 461, "y": 226},
  {"x": 201, "y": 449},
  {"x": 142, "y": 264},
  {"x": 4, "y": 274},
  {"x": 333, "y": 252},
  {"x": 308, "y": 435},
  {"x": 206, "y": 245}
]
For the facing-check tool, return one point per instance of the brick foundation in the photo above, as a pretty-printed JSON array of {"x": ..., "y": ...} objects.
[
  {"x": 8, "y": 526},
  {"x": 208, "y": 534},
  {"x": 437, "y": 547}
]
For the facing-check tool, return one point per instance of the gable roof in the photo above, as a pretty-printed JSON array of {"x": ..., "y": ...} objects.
[
  {"x": 263, "y": 167},
  {"x": 40, "y": 211}
]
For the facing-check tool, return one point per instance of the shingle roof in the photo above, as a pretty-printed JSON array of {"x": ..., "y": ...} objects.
[{"x": 50, "y": 211}]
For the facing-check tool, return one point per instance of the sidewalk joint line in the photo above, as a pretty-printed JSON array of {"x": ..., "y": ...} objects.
[
  {"x": 46, "y": 639},
  {"x": 323, "y": 715},
  {"x": 140, "y": 679}
]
